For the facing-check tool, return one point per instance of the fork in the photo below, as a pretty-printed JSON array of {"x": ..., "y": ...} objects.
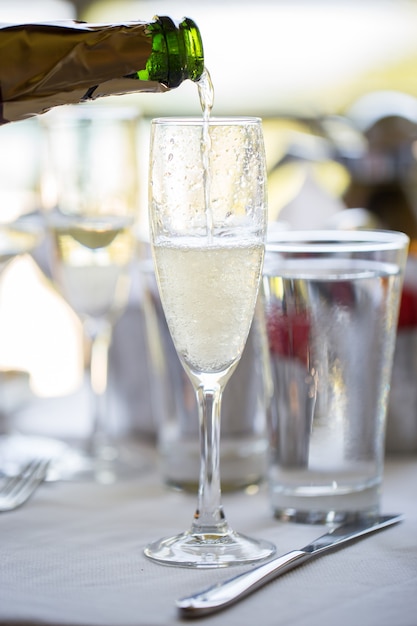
[{"x": 17, "y": 489}]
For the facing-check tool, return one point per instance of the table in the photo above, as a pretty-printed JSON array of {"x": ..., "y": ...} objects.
[{"x": 73, "y": 555}]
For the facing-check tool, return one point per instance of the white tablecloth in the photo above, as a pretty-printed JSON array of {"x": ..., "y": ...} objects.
[{"x": 73, "y": 555}]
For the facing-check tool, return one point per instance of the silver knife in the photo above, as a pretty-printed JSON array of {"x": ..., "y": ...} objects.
[{"x": 223, "y": 594}]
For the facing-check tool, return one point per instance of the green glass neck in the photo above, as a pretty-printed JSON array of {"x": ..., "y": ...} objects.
[{"x": 177, "y": 52}]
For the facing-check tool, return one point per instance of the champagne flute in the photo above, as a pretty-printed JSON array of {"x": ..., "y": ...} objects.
[
  {"x": 89, "y": 191},
  {"x": 208, "y": 220}
]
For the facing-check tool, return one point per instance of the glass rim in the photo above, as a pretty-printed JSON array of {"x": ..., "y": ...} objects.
[
  {"x": 318, "y": 241},
  {"x": 232, "y": 120}
]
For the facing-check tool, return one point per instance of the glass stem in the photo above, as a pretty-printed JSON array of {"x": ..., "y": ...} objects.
[
  {"x": 209, "y": 517},
  {"x": 99, "y": 332}
]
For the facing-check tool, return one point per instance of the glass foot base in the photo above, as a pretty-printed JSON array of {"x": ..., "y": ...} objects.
[
  {"x": 68, "y": 462},
  {"x": 113, "y": 465},
  {"x": 209, "y": 551},
  {"x": 330, "y": 517}
]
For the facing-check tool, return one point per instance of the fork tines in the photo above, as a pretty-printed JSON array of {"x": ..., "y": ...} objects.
[{"x": 17, "y": 489}]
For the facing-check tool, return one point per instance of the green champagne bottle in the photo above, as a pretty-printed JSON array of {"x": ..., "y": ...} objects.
[{"x": 47, "y": 65}]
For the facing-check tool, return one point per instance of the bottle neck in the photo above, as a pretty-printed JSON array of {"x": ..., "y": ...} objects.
[{"x": 177, "y": 53}]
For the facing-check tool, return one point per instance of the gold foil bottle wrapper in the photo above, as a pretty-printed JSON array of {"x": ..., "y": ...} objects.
[{"x": 46, "y": 65}]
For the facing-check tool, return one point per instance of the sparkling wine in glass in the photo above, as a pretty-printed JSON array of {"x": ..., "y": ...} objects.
[
  {"x": 90, "y": 198},
  {"x": 207, "y": 220}
]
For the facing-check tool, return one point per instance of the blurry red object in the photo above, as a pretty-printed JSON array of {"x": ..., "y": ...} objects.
[
  {"x": 408, "y": 308},
  {"x": 288, "y": 334}
]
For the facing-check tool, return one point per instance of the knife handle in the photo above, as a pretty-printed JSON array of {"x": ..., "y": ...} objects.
[{"x": 225, "y": 593}]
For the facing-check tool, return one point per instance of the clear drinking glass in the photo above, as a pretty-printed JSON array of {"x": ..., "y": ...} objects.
[
  {"x": 208, "y": 220},
  {"x": 89, "y": 191},
  {"x": 331, "y": 307}
]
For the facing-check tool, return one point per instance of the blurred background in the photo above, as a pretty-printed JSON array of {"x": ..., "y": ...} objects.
[{"x": 335, "y": 82}]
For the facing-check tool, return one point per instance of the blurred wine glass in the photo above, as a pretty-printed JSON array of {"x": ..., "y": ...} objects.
[
  {"x": 89, "y": 194},
  {"x": 21, "y": 227},
  {"x": 21, "y": 238}
]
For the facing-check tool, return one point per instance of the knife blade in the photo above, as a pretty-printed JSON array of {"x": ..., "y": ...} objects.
[{"x": 225, "y": 593}]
